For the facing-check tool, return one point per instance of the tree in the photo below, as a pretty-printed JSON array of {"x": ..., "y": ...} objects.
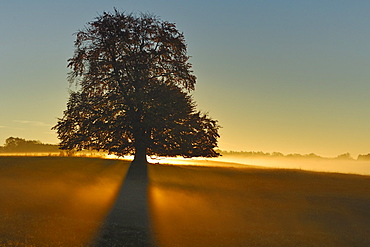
[
  {"x": 19, "y": 144},
  {"x": 16, "y": 144},
  {"x": 133, "y": 82},
  {"x": 345, "y": 156}
]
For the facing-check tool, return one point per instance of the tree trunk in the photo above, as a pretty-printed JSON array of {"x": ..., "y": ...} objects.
[{"x": 140, "y": 155}]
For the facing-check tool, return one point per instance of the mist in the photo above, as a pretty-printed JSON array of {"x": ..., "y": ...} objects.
[
  {"x": 311, "y": 164},
  {"x": 350, "y": 166}
]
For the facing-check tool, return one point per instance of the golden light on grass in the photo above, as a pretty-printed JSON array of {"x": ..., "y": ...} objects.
[
  {"x": 189, "y": 219},
  {"x": 50, "y": 201},
  {"x": 218, "y": 206},
  {"x": 190, "y": 209}
]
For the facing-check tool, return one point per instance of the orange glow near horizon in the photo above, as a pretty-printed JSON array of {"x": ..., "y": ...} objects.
[{"x": 349, "y": 166}]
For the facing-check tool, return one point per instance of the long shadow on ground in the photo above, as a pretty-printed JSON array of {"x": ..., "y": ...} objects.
[{"x": 128, "y": 223}]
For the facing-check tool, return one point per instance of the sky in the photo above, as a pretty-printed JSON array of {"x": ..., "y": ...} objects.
[{"x": 288, "y": 76}]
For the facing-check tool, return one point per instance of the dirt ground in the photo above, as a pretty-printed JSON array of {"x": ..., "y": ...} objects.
[{"x": 59, "y": 201}]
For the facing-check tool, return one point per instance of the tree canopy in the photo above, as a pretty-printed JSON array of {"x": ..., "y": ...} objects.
[{"x": 133, "y": 82}]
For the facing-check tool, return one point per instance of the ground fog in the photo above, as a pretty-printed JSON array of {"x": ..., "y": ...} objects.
[{"x": 66, "y": 201}]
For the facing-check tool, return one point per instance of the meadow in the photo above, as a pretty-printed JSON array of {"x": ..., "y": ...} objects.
[
  {"x": 64, "y": 201},
  {"x": 56, "y": 201}
]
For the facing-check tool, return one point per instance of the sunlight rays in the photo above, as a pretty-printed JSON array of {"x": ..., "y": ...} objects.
[{"x": 56, "y": 201}]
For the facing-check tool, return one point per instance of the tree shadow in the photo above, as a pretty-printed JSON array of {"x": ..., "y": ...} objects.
[{"x": 128, "y": 222}]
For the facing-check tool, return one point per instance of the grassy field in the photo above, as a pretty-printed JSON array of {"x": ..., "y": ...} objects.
[
  {"x": 211, "y": 206},
  {"x": 60, "y": 201},
  {"x": 55, "y": 201}
]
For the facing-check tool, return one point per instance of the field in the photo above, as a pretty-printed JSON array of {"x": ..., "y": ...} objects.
[
  {"x": 55, "y": 201},
  {"x": 59, "y": 201}
]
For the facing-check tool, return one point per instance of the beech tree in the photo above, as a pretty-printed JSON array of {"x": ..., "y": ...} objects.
[{"x": 133, "y": 83}]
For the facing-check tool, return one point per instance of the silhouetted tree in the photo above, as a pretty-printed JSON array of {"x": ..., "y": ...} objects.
[
  {"x": 277, "y": 154},
  {"x": 363, "y": 157},
  {"x": 16, "y": 143},
  {"x": 134, "y": 79},
  {"x": 345, "y": 156}
]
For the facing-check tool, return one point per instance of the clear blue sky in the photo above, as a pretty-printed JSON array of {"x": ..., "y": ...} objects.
[{"x": 288, "y": 76}]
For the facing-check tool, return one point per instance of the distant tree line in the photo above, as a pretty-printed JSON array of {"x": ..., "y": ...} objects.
[
  {"x": 17, "y": 145},
  {"x": 259, "y": 154},
  {"x": 364, "y": 157}
]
